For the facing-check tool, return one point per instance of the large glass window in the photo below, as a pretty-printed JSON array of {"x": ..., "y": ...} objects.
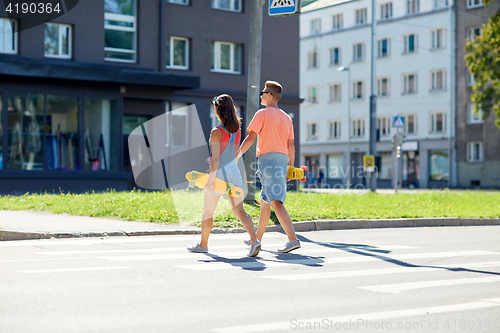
[
  {"x": 178, "y": 126},
  {"x": 8, "y": 36},
  {"x": 439, "y": 165},
  {"x": 61, "y": 139},
  {"x": 1, "y": 135},
  {"x": 226, "y": 57},
  {"x": 385, "y": 171},
  {"x": 25, "y": 132},
  {"x": 177, "y": 52},
  {"x": 232, "y": 5},
  {"x": 120, "y": 30},
  {"x": 101, "y": 135},
  {"x": 57, "y": 40},
  {"x": 335, "y": 166}
]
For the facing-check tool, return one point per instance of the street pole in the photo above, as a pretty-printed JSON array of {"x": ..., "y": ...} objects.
[
  {"x": 253, "y": 89},
  {"x": 373, "y": 100},
  {"x": 348, "y": 69}
]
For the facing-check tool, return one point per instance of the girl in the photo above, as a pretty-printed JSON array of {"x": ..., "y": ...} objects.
[{"x": 224, "y": 141}]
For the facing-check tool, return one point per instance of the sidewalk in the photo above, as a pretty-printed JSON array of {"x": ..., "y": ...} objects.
[{"x": 25, "y": 225}]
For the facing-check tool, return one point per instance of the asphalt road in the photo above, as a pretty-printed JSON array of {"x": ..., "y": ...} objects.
[{"x": 380, "y": 280}]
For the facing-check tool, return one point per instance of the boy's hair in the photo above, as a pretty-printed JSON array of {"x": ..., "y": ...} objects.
[
  {"x": 275, "y": 88},
  {"x": 225, "y": 111}
]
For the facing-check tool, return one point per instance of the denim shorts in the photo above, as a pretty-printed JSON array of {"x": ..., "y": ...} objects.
[
  {"x": 230, "y": 174},
  {"x": 272, "y": 170}
]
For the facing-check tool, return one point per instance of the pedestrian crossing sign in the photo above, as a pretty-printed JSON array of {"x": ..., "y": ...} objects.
[
  {"x": 399, "y": 122},
  {"x": 284, "y": 7}
]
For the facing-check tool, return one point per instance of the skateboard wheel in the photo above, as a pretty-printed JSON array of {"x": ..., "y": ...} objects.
[
  {"x": 226, "y": 196},
  {"x": 191, "y": 185},
  {"x": 194, "y": 174}
]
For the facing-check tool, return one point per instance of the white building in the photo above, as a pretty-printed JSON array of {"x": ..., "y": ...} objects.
[{"x": 414, "y": 67}]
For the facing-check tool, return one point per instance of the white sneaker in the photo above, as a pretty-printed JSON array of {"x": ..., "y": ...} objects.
[
  {"x": 290, "y": 246},
  {"x": 247, "y": 242},
  {"x": 196, "y": 248},
  {"x": 254, "y": 249}
]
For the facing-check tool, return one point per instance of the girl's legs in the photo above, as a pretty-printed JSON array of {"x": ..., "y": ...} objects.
[
  {"x": 265, "y": 215},
  {"x": 209, "y": 206},
  {"x": 246, "y": 220}
]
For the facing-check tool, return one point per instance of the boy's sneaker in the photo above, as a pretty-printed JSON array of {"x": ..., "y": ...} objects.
[
  {"x": 290, "y": 246},
  {"x": 247, "y": 242},
  {"x": 254, "y": 249},
  {"x": 196, "y": 248}
]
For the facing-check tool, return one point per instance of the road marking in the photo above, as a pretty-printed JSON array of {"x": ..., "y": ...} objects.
[
  {"x": 287, "y": 325},
  {"x": 307, "y": 248},
  {"x": 79, "y": 269},
  {"x": 368, "y": 272},
  {"x": 364, "y": 257},
  {"x": 399, "y": 287}
]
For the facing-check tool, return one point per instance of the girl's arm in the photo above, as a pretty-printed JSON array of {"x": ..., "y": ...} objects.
[
  {"x": 246, "y": 144},
  {"x": 215, "y": 138}
]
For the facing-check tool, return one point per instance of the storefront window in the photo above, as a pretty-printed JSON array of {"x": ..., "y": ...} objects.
[
  {"x": 440, "y": 166},
  {"x": 1, "y": 135},
  {"x": 335, "y": 166},
  {"x": 25, "y": 131},
  {"x": 61, "y": 140},
  {"x": 385, "y": 171},
  {"x": 101, "y": 135}
]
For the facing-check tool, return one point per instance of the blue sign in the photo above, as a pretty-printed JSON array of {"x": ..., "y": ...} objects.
[
  {"x": 284, "y": 7},
  {"x": 399, "y": 122}
]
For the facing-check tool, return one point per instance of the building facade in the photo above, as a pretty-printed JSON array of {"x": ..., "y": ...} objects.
[
  {"x": 414, "y": 79},
  {"x": 478, "y": 148},
  {"x": 73, "y": 89}
]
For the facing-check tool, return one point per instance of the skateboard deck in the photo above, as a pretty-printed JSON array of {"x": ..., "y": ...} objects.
[
  {"x": 200, "y": 179},
  {"x": 297, "y": 173}
]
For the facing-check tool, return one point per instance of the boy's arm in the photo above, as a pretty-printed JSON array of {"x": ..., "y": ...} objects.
[
  {"x": 247, "y": 143},
  {"x": 291, "y": 152}
]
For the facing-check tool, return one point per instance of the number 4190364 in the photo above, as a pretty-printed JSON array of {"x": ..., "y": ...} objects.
[{"x": 32, "y": 8}]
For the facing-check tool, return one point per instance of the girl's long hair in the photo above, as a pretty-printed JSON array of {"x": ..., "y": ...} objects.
[{"x": 225, "y": 111}]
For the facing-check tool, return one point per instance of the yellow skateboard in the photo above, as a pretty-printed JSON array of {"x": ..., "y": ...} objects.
[
  {"x": 200, "y": 179},
  {"x": 297, "y": 173}
]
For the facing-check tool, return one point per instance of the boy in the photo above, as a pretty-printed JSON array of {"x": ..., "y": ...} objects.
[{"x": 275, "y": 152}]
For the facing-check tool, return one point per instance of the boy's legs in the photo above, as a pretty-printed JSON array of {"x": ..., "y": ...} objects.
[
  {"x": 284, "y": 218},
  {"x": 265, "y": 215},
  {"x": 207, "y": 220},
  {"x": 246, "y": 220}
]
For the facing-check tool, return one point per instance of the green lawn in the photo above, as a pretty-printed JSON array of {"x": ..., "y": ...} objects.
[{"x": 172, "y": 207}]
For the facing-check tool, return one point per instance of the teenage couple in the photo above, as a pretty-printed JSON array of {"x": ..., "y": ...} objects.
[{"x": 275, "y": 152}]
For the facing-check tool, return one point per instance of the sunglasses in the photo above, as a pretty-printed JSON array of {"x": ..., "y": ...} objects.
[
  {"x": 215, "y": 101},
  {"x": 265, "y": 92}
]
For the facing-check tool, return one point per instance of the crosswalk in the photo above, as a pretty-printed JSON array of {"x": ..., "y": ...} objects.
[{"x": 316, "y": 261}]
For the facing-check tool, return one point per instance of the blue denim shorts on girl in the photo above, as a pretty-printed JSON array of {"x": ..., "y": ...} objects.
[{"x": 272, "y": 170}]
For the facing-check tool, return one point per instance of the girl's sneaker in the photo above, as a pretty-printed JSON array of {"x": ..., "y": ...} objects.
[
  {"x": 254, "y": 249},
  {"x": 197, "y": 248}
]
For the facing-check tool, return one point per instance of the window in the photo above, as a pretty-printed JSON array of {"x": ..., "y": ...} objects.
[
  {"x": 474, "y": 32},
  {"x": 8, "y": 36},
  {"x": 179, "y": 2},
  {"x": 335, "y": 166},
  {"x": 357, "y": 128},
  {"x": 469, "y": 77},
  {"x": 410, "y": 124},
  {"x": 385, "y": 166},
  {"x": 472, "y": 117},
  {"x": 438, "y": 80},
  {"x": 231, "y": 5},
  {"x": 440, "y": 165},
  {"x": 383, "y": 48},
  {"x": 386, "y": 11},
  {"x": 361, "y": 16},
  {"x": 438, "y": 122},
  {"x": 313, "y": 59},
  {"x": 383, "y": 86},
  {"x": 412, "y": 6},
  {"x": 338, "y": 21},
  {"x": 312, "y": 94},
  {"x": 315, "y": 26},
  {"x": 334, "y": 129},
  {"x": 438, "y": 38},
  {"x": 440, "y": 3},
  {"x": 384, "y": 126},
  {"x": 57, "y": 40},
  {"x": 475, "y": 151},
  {"x": 474, "y": 3},
  {"x": 410, "y": 84},
  {"x": 358, "y": 53},
  {"x": 335, "y": 93},
  {"x": 335, "y": 56},
  {"x": 312, "y": 133},
  {"x": 177, "y": 52},
  {"x": 120, "y": 30},
  {"x": 410, "y": 45},
  {"x": 226, "y": 57},
  {"x": 357, "y": 90}
]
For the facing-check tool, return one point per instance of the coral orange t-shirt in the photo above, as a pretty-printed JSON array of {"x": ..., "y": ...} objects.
[{"x": 274, "y": 128}]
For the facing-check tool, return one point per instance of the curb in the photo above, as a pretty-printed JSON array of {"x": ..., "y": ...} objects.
[{"x": 9, "y": 235}]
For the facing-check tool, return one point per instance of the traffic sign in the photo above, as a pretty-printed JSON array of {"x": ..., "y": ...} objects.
[
  {"x": 399, "y": 122},
  {"x": 284, "y": 7}
]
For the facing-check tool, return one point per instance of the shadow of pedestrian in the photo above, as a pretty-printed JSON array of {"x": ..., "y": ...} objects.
[
  {"x": 245, "y": 263},
  {"x": 259, "y": 264}
]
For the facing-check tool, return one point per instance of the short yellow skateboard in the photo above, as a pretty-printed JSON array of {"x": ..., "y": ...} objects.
[
  {"x": 297, "y": 173},
  {"x": 200, "y": 179}
]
